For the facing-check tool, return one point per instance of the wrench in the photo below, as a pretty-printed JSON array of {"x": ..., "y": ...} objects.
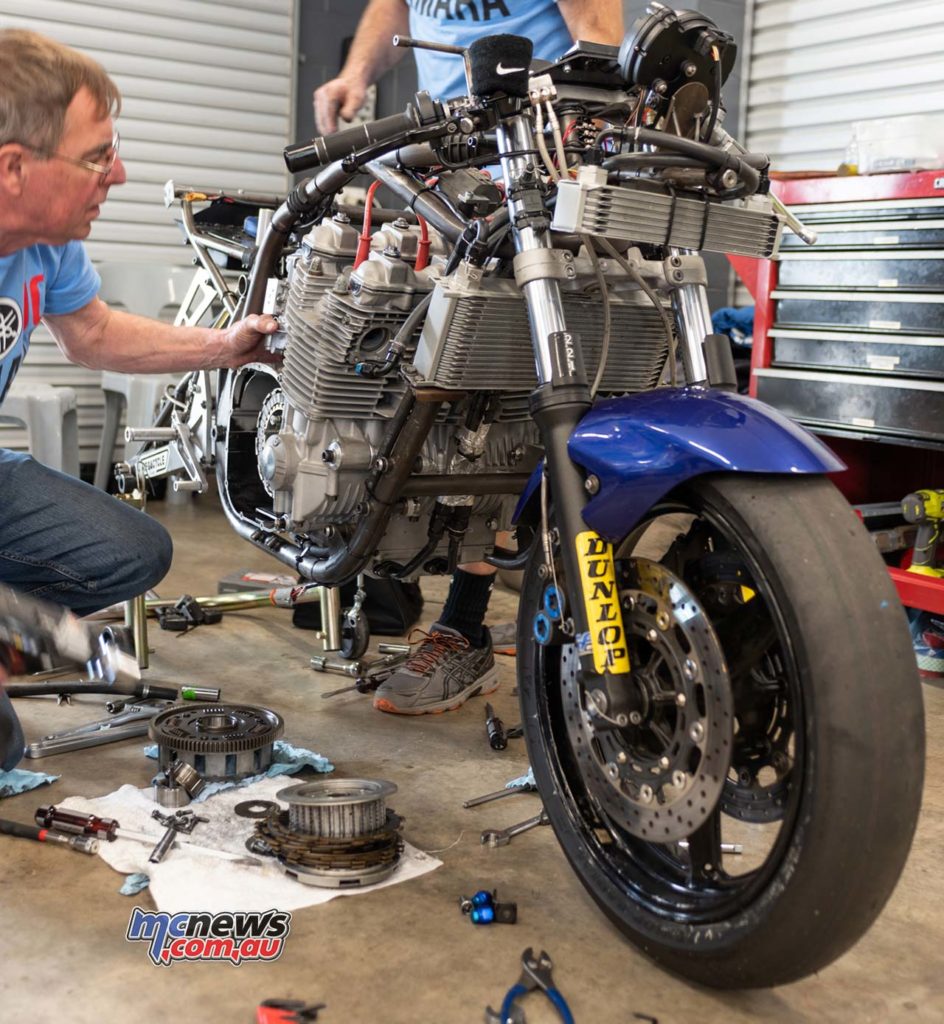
[
  {"x": 133, "y": 721},
  {"x": 500, "y": 794},
  {"x": 493, "y": 837}
]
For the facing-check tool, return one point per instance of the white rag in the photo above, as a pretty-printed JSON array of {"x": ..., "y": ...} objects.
[{"x": 188, "y": 880}]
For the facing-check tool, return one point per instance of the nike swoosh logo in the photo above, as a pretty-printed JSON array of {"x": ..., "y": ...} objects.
[{"x": 502, "y": 70}]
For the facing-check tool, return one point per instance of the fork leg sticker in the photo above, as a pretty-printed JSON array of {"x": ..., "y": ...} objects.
[{"x": 607, "y": 637}]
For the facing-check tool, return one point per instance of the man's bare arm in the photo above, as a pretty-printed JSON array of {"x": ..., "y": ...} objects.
[
  {"x": 102, "y": 338},
  {"x": 595, "y": 21},
  {"x": 371, "y": 54}
]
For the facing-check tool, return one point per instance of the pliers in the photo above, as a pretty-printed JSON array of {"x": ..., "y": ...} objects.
[{"x": 535, "y": 973}]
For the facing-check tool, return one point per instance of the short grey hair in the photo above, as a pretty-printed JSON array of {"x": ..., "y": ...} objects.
[{"x": 39, "y": 80}]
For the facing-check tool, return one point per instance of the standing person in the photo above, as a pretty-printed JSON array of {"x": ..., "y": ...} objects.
[
  {"x": 455, "y": 661},
  {"x": 60, "y": 538}
]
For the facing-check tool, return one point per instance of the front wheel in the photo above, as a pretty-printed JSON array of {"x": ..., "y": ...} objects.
[{"x": 743, "y": 802}]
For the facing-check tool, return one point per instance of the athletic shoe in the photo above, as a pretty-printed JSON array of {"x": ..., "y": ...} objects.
[
  {"x": 442, "y": 674},
  {"x": 927, "y": 638}
]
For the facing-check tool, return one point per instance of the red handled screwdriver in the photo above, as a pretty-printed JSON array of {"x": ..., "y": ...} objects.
[{"x": 77, "y": 822}]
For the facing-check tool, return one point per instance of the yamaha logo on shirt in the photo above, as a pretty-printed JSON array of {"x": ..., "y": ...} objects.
[{"x": 11, "y": 325}]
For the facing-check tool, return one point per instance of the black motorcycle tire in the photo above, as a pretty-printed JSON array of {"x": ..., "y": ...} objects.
[{"x": 859, "y": 788}]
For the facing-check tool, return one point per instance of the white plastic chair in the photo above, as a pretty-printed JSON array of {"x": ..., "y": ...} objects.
[
  {"x": 151, "y": 290},
  {"x": 51, "y": 420}
]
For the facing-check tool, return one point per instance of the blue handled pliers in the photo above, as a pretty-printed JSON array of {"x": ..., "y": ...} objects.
[{"x": 535, "y": 973}]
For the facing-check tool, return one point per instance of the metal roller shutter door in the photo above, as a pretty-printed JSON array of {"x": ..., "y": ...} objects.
[
  {"x": 818, "y": 65},
  {"x": 207, "y": 99}
]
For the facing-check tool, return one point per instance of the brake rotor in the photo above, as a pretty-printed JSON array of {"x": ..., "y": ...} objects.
[
  {"x": 221, "y": 741},
  {"x": 758, "y": 782},
  {"x": 659, "y": 775}
]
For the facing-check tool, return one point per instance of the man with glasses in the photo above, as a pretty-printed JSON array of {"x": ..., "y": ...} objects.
[{"x": 61, "y": 538}]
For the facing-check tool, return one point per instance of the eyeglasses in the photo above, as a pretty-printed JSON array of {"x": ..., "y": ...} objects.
[{"x": 103, "y": 169}]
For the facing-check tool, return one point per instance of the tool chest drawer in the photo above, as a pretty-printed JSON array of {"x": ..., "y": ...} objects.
[
  {"x": 908, "y": 410},
  {"x": 853, "y": 327},
  {"x": 859, "y": 351}
]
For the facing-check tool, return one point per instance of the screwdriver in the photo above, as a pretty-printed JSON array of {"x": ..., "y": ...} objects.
[
  {"x": 77, "y": 822},
  {"x": 90, "y": 826},
  {"x": 84, "y": 844}
]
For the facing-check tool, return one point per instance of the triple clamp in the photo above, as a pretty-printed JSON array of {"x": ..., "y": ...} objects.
[
  {"x": 685, "y": 270},
  {"x": 543, "y": 264}
]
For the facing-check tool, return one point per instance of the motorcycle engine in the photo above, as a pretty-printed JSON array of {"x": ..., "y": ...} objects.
[{"x": 302, "y": 441}]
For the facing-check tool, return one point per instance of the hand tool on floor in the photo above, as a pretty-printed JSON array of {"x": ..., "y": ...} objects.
[
  {"x": 76, "y": 822},
  {"x": 483, "y": 908},
  {"x": 495, "y": 728},
  {"x": 926, "y": 509},
  {"x": 500, "y": 794},
  {"x": 93, "y": 827},
  {"x": 141, "y": 691},
  {"x": 182, "y": 821},
  {"x": 368, "y": 675},
  {"x": 131, "y": 722},
  {"x": 287, "y": 1011},
  {"x": 535, "y": 974},
  {"x": 493, "y": 837},
  {"x": 83, "y": 844},
  {"x": 186, "y": 614}
]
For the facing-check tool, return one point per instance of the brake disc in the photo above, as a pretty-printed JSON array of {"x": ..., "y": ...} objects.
[
  {"x": 758, "y": 781},
  {"x": 659, "y": 775}
]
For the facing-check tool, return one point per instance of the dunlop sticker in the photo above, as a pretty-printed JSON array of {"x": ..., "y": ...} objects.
[{"x": 601, "y": 600}]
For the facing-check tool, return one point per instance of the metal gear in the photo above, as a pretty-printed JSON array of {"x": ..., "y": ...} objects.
[
  {"x": 269, "y": 422},
  {"x": 221, "y": 741}
]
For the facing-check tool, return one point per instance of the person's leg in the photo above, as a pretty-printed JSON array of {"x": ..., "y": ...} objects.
[
  {"x": 12, "y": 741},
  {"x": 70, "y": 543},
  {"x": 455, "y": 661}
]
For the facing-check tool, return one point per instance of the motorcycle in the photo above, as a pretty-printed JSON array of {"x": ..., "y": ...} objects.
[{"x": 717, "y": 686}]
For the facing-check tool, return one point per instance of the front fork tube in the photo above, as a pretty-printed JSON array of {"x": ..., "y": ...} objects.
[
  {"x": 693, "y": 316},
  {"x": 557, "y": 405}
]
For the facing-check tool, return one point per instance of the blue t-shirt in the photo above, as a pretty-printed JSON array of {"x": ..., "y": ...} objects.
[
  {"x": 460, "y": 22},
  {"x": 40, "y": 279}
]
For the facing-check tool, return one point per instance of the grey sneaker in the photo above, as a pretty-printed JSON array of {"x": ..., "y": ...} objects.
[{"x": 443, "y": 673}]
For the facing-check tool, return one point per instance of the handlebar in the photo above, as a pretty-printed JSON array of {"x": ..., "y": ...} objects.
[{"x": 324, "y": 149}]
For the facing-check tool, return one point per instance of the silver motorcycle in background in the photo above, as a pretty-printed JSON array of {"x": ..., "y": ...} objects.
[{"x": 718, "y": 690}]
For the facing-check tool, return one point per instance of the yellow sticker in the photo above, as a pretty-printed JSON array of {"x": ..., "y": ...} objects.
[{"x": 601, "y": 600}]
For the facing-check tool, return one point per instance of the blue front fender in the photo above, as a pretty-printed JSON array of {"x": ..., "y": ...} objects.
[{"x": 642, "y": 446}]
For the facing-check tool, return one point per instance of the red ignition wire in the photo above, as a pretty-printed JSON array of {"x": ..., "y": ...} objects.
[
  {"x": 422, "y": 250},
  {"x": 363, "y": 239}
]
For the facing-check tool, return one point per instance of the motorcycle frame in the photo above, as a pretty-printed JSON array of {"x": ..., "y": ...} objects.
[{"x": 599, "y": 457}]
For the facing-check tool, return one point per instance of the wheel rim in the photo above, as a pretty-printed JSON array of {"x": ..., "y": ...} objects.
[{"x": 697, "y": 884}]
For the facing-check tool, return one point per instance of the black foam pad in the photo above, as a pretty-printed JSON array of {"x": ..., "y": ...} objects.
[{"x": 500, "y": 64}]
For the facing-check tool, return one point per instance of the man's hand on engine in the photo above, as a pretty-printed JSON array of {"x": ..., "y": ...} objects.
[{"x": 244, "y": 341}]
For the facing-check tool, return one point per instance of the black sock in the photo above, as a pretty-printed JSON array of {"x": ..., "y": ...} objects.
[{"x": 466, "y": 604}]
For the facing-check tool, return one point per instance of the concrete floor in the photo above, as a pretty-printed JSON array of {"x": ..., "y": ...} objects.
[{"x": 404, "y": 954}]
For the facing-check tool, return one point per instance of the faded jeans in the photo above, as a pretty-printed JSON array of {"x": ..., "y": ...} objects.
[{"x": 70, "y": 543}]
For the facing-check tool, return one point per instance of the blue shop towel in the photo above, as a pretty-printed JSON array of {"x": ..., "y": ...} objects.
[
  {"x": 133, "y": 884},
  {"x": 524, "y": 780},
  {"x": 18, "y": 780}
]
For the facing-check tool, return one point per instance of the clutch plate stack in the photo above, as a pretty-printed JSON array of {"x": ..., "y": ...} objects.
[
  {"x": 223, "y": 742},
  {"x": 336, "y": 833}
]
